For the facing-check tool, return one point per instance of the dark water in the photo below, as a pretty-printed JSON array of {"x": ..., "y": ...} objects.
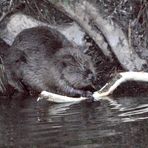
[{"x": 109, "y": 124}]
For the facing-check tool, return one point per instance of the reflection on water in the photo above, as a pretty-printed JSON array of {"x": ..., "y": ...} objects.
[{"x": 109, "y": 124}]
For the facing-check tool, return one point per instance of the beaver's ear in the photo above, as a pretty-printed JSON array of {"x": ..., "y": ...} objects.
[{"x": 22, "y": 57}]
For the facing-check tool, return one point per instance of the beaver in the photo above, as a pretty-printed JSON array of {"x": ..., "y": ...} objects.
[{"x": 41, "y": 58}]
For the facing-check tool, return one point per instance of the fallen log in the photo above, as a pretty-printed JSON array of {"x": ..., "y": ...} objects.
[{"x": 19, "y": 21}]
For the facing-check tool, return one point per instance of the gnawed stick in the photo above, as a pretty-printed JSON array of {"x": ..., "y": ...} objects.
[
  {"x": 104, "y": 91},
  {"x": 58, "y": 98},
  {"x": 120, "y": 78}
]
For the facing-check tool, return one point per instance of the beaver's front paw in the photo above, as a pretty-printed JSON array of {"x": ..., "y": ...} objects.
[{"x": 89, "y": 96}]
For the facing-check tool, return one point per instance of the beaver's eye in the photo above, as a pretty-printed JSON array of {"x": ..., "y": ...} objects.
[{"x": 68, "y": 58}]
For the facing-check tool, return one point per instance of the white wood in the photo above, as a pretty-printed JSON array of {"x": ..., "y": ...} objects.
[{"x": 58, "y": 98}]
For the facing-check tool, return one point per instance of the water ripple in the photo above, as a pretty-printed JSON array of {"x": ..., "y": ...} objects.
[{"x": 110, "y": 123}]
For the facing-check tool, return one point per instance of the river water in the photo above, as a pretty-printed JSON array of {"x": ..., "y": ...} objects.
[{"x": 120, "y": 122}]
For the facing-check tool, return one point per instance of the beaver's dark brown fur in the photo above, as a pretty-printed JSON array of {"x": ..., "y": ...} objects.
[{"x": 43, "y": 59}]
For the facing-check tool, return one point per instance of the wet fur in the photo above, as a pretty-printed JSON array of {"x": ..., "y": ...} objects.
[{"x": 41, "y": 58}]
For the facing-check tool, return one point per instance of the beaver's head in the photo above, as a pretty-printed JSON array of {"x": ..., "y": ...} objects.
[{"x": 75, "y": 68}]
